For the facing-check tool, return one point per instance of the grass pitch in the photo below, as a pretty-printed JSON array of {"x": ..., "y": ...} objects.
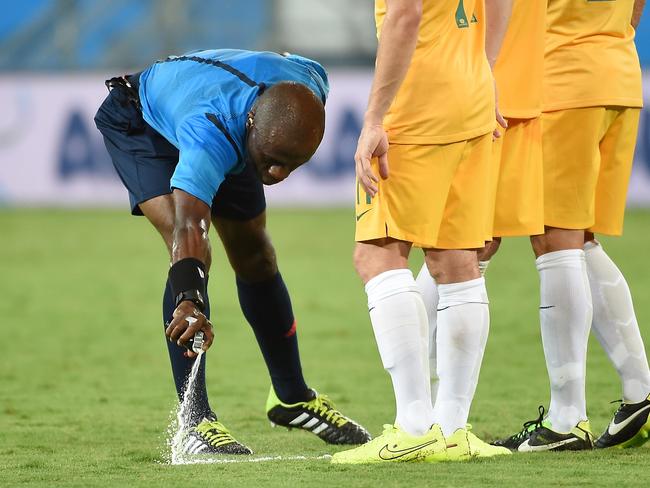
[{"x": 86, "y": 389}]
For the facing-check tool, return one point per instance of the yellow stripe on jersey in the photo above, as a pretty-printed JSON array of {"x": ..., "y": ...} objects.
[
  {"x": 590, "y": 57},
  {"x": 447, "y": 95},
  {"x": 520, "y": 64}
]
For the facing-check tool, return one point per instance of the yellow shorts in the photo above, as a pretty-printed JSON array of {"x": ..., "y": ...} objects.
[
  {"x": 588, "y": 155},
  {"x": 518, "y": 180},
  {"x": 436, "y": 196}
]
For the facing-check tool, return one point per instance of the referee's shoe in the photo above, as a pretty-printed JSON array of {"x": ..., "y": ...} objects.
[
  {"x": 318, "y": 416},
  {"x": 211, "y": 437}
]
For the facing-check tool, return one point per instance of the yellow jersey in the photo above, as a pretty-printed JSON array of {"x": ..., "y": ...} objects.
[
  {"x": 590, "y": 58},
  {"x": 448, "y": 93},
  {"x": 520, "y": 65}
]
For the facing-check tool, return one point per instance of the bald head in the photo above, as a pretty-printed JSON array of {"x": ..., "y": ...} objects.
[{"x": 288, "y": 122}]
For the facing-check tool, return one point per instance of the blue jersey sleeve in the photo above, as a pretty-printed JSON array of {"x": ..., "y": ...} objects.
[{"x": 206, "y": 156}]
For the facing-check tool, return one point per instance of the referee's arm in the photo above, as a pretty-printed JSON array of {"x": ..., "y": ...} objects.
[{"x": 189, "y": 270}]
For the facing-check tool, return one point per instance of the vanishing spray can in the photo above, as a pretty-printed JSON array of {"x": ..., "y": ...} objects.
[{"x": 195, "y": 344}]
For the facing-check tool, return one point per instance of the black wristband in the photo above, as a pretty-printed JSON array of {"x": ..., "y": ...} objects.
[{"x": 187, "y": 279}]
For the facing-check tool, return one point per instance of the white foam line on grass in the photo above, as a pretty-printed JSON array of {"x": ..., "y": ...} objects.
[{"x": 264, "y": 459}]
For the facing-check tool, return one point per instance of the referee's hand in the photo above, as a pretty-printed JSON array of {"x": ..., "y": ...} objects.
[
  {"x": 187, "y": 321},
  {"x": 373, "y": 143}
]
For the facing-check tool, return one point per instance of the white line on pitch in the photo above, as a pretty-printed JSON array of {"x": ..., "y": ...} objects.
[{"x": 264, "y": 459}]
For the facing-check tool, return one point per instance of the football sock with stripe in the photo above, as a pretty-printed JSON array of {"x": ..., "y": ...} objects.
[
  {"x": 399, "y": 322},
  {"x": 182, "y": 366},
  {"x": 615, "y": 325},
  {"x": 267, "y": 307},
  {"x": 565, "y": 316},
  {"x": 429, "y": 290},
  {"x": 463, "y": 325}
]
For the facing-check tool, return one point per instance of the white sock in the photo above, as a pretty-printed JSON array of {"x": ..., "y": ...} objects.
[
  {"x": 429, "y": 290},
  {"x": 565, "y": 316},
  {"x": 463, "y": 324},
  {"x": 615, "y": 324},
  {"x": 399, "y": 321}
]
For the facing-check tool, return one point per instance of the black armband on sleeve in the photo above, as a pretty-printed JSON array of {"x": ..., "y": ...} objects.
[{"x": 187, "y": 278}]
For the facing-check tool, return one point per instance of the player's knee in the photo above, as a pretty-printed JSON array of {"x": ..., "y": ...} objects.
[
  {"x": 257, "y": 264},
  {"x": 362, "y": 260},
  {"x": 555, "y": 239},
  {"x": 538, "y": 244},
  {"x": 372, "y": 258},
  {"x": 452, "y": 266},
  {"x": 457, "y": 273}
]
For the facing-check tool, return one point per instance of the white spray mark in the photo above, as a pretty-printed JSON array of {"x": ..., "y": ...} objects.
[
  {"x": 246, "y": 459},
  {"x": 180, "y": 422}
]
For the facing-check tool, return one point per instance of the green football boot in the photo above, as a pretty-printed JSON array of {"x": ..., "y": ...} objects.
[
  {"x": 464, "y": 445},
  {"x": 395, "y": 445}
]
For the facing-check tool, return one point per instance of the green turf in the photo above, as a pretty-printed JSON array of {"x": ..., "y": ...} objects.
[{"x": 85, "y": 388}]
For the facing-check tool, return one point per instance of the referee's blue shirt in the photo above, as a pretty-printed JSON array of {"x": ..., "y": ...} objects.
[{"x": 199, "y": 102}]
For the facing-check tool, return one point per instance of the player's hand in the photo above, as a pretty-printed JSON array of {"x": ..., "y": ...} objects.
[
  {"x": 501, "y": 121},
  {"x": 373, "y": 143},
  {"x": 187, "y": 321}
]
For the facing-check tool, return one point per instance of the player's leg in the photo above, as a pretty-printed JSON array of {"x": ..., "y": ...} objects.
[
  {"x": 614, "y": 321},
  {"x": 571, "y": 167},
  {"x": 462, "y": 311},
  {"x": 617, "y": 330},
  {"x": 565, "y": 316},
  {"x": 145, "y": 162},
  {"x": 615, "y": 324},
  {"x": 160, "y": 212},
  {"x": 430, "y": 297},
  {"x": 407, "y": 208},
  {"x": 463, "y": 323},
  {"x": 399, "y": 323},
  {"x": 428, "y": 287},
  {"x": 240, "y": 219},
  {"x": 265, "y": 302}
]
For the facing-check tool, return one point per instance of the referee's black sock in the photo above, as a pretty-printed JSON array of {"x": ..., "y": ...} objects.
[
  {"x": 182, "y": 366},
  {"x": 267, "y": 307}
]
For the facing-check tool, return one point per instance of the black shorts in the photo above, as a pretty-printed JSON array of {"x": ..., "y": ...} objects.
[{"x": 145, "y": 161}]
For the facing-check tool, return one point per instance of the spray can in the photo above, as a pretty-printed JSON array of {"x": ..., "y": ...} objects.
[{"x": 195, "y": 344}]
